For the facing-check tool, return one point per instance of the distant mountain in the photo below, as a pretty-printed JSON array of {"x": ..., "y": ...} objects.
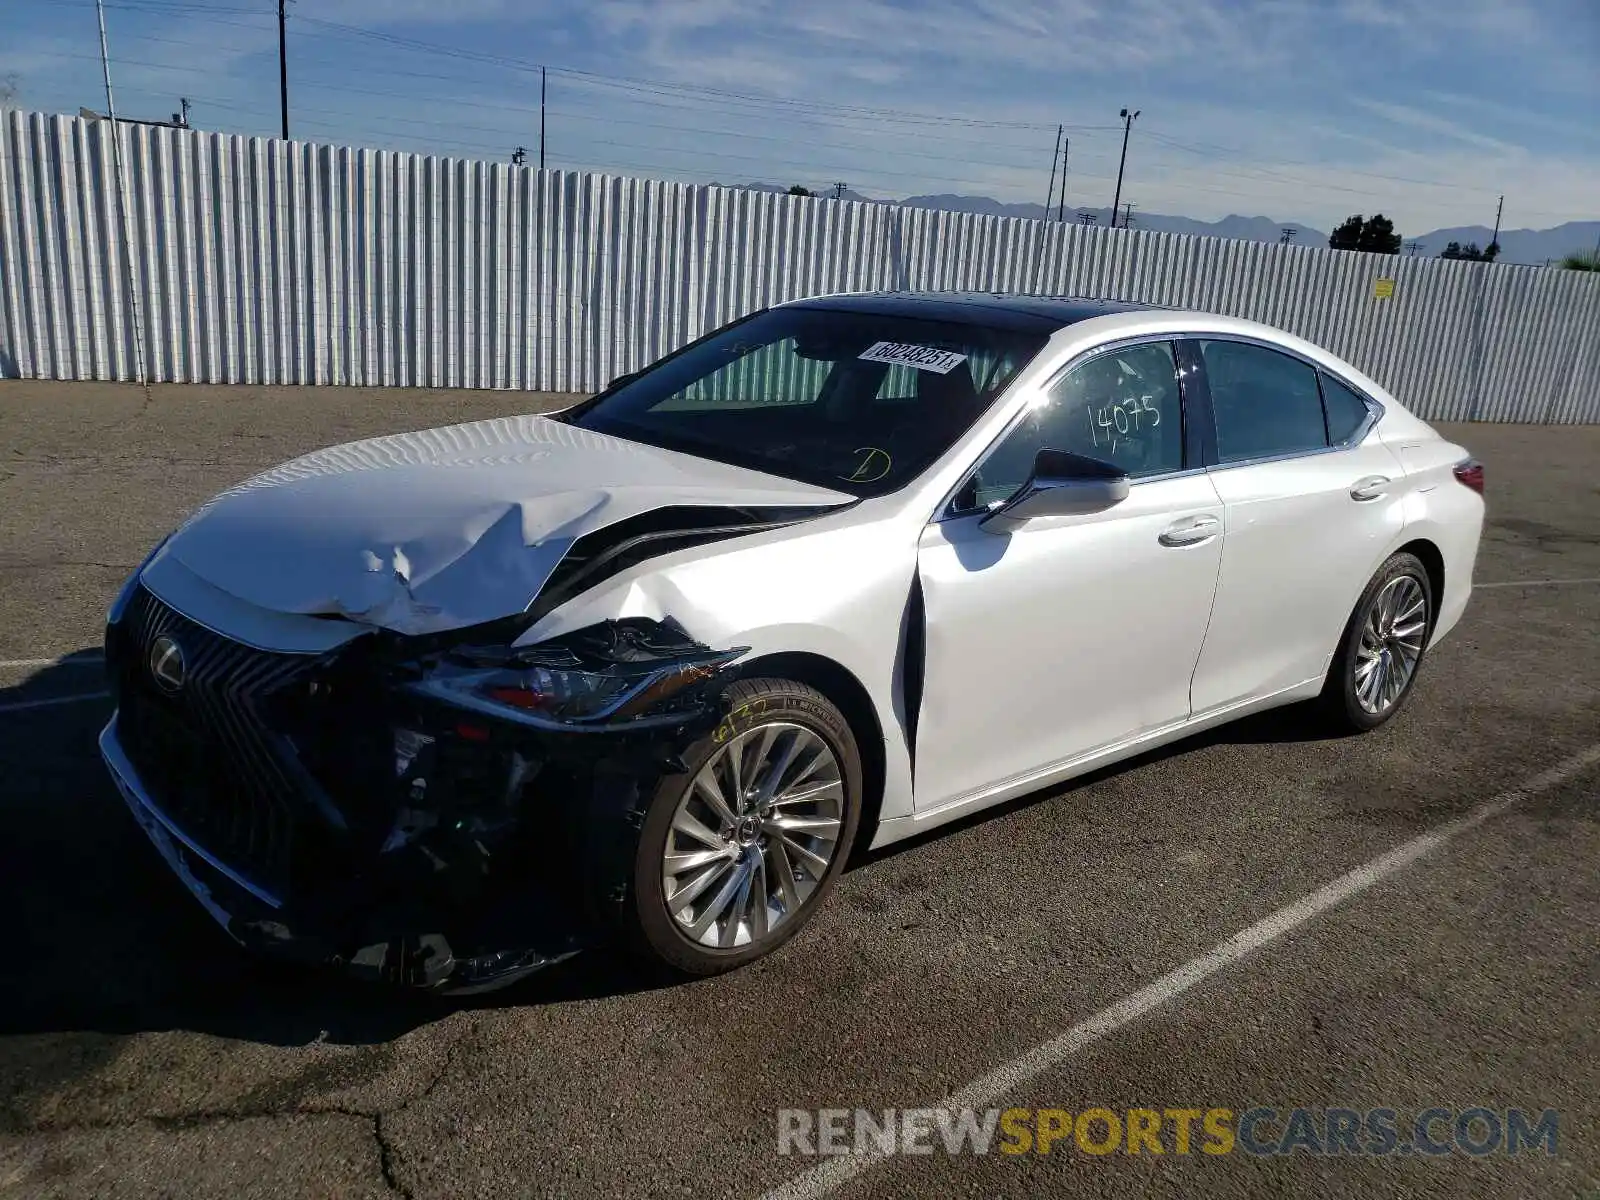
[
  {"x": 1533, "y": 246},
  {"x": 1249, "y": 229},
  {"x": 1520, "y": 245}
]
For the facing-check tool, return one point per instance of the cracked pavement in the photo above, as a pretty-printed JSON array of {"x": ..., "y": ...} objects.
[{"x": 142, "y": 1055}]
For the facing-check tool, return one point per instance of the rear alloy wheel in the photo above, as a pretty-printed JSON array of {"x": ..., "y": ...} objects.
[
  {"x": 737, "y": 852},
  {"x": 1383, "y": 646}
]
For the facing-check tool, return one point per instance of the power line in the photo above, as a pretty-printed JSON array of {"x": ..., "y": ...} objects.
[
  {"x": 692, "y": 98},
  {"x": 188, "y": 69},
  {"x": 1205, "y": 148},
  {"x": 886, "y": 114},
  {"x": 571, "y": 115},
  {"x": 676, "y": 91},
  {"x": 889, "y": 180}
]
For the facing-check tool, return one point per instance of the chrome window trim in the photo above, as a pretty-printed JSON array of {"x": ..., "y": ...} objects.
[
  {"x": 1286, "y": 456},
  {"x": 942, "y": 511},
  {"x": 1375, "y": 408}
]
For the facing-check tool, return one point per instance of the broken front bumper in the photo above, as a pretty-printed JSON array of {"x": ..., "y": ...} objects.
[
  {"x": 260, "y": 920},
  {"x": 339, "y": 809}
]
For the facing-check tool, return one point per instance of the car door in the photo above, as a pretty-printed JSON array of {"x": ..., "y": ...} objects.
[
  {"x": 1071, "y": 633},
  {"x": 1309, "y": 515}
]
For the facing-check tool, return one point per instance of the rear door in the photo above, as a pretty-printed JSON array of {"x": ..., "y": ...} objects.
[{"x": 1310, "y": 505}]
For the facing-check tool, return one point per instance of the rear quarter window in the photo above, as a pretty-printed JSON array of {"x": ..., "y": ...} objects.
[{"x": 1346, "y": 408}]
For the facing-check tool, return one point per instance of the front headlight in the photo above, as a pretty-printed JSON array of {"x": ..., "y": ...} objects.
[
  {"x": 575, "y": 681},
  {"x": 552, "y": 692}
]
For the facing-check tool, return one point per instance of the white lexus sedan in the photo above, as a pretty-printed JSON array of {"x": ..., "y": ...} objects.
[{"x": 443, "y": 707}]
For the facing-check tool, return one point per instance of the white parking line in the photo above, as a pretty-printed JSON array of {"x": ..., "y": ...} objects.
[
  {"x": 23, "y": 705},
  {"x": 1535, "y": 583},
  {"x": 989, "y": 1089},
  {"x": 77, "y": 660}
]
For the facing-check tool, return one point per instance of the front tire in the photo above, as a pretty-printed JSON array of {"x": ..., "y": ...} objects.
[
  {"x": 737, "y": 853},
  {"x": 1379, "y": 657}
]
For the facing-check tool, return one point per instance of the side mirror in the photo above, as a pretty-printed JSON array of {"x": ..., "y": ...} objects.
[{"x": 1062, "y": 485}]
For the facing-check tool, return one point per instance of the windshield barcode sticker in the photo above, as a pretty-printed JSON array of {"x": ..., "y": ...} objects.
[{"x": 923, "y": 358}]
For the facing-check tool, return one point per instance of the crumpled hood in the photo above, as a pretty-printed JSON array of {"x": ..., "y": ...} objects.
[{"x": 444, "y": 528}]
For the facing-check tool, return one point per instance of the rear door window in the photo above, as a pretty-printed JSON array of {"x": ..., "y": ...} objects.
[{"x": 1265, "y": 403}]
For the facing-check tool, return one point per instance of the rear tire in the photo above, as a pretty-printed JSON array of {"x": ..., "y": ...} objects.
[
  {"x": 1380, "y": 655},
  {"x": 737, "y": 853}
]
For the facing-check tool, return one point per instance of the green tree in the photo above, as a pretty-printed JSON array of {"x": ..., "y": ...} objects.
[
  {"x": 1348, "y": 235},
  {"x": 1584, "y": 260},
  {"x": 1471, "y": 253},
  {"x": 1375, "y": 234},
  {"x": 1379, "y": 235},
  {"x": 797, "y": 190}
]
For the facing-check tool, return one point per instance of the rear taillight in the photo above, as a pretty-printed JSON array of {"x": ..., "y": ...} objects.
[{"x": 1470, "y": 472}]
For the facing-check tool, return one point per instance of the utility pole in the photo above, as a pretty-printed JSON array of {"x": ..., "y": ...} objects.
[
  {"x": 1087, "y": 218},
  {"x": 542, "y": 74},
  {"x": 1127, "y": 126},
  {"x": 1499, "y": 208},
  {"x": 519, "y": 156},
  {"x": 122, "y": 203},
  {"x": 838, "y": 190},
  {"x": 1415, "y": 245},
  {"x": 1061, "y": 212},
  {"x": 1287, "y": 235},
  {"x": 1055, "y": 155},
  {"x": 1127, "y": 215},
  {"x": 283, "y": 71}
]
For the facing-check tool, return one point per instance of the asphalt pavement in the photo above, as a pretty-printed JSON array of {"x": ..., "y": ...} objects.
[{"x": 142, "y": 1055}]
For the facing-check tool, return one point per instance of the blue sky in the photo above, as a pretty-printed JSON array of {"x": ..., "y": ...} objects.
[{"x": 1302, "y": 110}]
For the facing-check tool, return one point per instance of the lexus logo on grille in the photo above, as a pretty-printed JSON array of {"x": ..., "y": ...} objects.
[{"x": 166, "y": 663}]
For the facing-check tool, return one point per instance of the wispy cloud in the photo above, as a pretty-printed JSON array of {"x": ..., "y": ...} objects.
[
  {"x": 1427, "y": 122},
  {"x": 1303, "y": 109}
]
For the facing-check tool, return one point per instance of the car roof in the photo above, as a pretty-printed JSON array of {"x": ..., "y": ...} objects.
[{"x": 1002, "y": 310}]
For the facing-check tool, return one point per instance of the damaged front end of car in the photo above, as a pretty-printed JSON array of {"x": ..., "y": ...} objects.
[{"x": 449, "y": 811}]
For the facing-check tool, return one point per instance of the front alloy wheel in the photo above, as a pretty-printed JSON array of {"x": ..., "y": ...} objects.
[
  {"x": 736, "y": 853},
  {"x": 754, "y": 835}
]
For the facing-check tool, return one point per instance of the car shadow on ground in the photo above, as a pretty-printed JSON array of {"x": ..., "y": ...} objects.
[{"x": 102, "y": 939}]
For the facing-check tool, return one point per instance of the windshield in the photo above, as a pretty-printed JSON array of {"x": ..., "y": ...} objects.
[{"x": 856, "y": 401}]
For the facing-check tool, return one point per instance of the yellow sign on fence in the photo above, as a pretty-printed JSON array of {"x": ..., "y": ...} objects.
[{"x": 1382, "y": 289}]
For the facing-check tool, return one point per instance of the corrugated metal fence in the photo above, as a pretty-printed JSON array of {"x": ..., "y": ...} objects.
[{"x": 262, "y": 261}]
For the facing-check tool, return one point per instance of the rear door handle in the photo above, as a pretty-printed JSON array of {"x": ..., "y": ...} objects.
[
  {"x": 1190, "y": 531},
  {"x": 1370, "y": 488}
]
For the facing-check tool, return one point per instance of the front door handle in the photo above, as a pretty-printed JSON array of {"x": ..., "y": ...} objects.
[
  {"x": 1190, "y": 531},
  {"x": 1370, "y": 488}
]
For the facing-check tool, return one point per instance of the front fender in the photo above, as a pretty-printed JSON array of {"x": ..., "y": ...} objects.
[{"x": 840, "y": 593}]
